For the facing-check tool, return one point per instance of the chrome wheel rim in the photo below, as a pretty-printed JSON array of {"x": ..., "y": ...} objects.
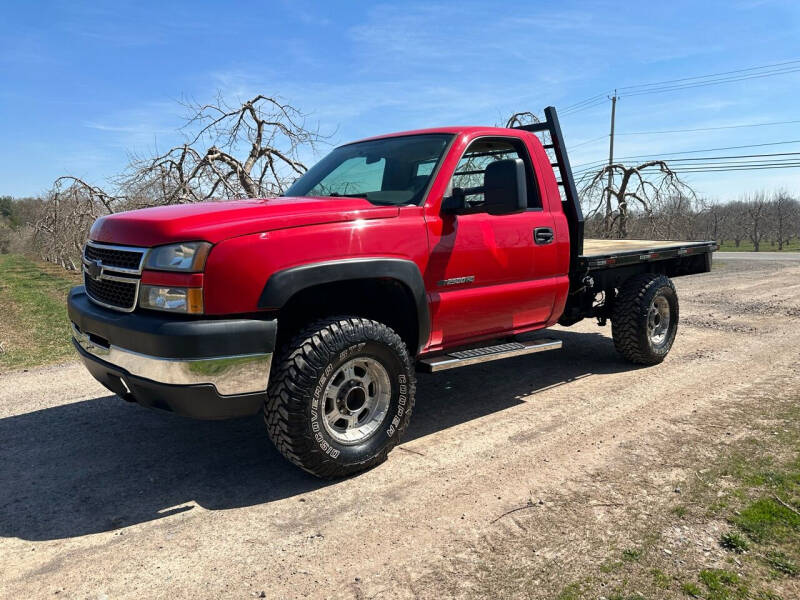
[
  {"x": 658, "y": 319},
  {"x": 356, "y": 400}
]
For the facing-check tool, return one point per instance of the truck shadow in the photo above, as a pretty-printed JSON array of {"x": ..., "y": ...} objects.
[{"x": 102, "y": 464}]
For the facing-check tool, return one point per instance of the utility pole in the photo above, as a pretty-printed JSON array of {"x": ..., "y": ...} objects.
[{"x": 607, "y": 224}]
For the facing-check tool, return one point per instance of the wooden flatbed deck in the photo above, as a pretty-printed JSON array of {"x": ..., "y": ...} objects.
[
  {"x": 595, "y": 247},
  {"x": 599, "y": 253}
]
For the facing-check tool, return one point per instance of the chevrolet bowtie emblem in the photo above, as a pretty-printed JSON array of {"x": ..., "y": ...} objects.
[{"x": 94, "y": 268}]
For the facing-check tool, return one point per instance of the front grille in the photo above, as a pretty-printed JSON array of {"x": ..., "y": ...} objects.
[
  {"x": 111, "y": 274},
  {"x": 115, "y": 256},
  {"x": 117, "y": 294}
]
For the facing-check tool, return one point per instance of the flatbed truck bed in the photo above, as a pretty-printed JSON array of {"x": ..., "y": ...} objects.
[{"x": 601, "y": 254}]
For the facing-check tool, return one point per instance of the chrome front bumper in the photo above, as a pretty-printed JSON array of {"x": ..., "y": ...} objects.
[
  {"x": 237, "y": 374},
  {"x": 206, "y": 368}
]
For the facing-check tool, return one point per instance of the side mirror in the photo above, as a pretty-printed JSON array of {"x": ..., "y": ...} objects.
[
  {"x": 455, "y": 202},
  {"x": 505, "y": 187}
]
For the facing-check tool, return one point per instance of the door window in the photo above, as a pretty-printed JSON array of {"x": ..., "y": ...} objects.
[{"x": 481, "y": 153}]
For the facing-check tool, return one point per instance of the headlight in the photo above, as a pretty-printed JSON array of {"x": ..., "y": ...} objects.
[
  {"x": 189, "y": 257},
  {"x": 172, "y": 299}
]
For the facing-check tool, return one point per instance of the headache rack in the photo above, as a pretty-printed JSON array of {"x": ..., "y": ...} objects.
[{"x": 557, "y": 152}]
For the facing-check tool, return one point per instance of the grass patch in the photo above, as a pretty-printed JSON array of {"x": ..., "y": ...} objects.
[
  {"x": 734, "y": 542},
  {"x": 722, "y": 585},
  {"x": 631, "y": 554},
  {"x": 680, "y": 511},
  {"x": 781, "y": 563},
  {"x": 660, "y": 579},
  {"x": 34, "y": 328},
  {"x": 571, "y": 592},
  {"x": 611, "y": 566},
  {"x": 765, "y": 520},
  {"x": 691, "y": 589}
]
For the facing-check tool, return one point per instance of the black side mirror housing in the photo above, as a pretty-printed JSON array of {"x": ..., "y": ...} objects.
[
  {"x": 505, "y": 187},
  {"x": 455, "y": 203}
]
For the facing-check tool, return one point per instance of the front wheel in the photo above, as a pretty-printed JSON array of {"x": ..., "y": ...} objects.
[
  {"x": 341, "y": 396},
  {"x": 644, "y": 319}
]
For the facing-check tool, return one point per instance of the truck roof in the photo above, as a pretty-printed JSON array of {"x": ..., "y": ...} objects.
[{"x": 456, "y": 130}]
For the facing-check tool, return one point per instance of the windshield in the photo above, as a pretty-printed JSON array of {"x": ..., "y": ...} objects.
[{"x": 390, "y": 171}]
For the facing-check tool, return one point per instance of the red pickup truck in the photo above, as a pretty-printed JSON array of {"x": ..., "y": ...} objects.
[{"x": 423, "y": 250}]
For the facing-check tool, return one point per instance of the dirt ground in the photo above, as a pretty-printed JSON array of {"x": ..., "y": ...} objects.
[{"x": 99, "y": 498}]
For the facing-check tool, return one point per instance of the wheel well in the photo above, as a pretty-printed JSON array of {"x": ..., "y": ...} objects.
[{"x": 386, "y": 300}]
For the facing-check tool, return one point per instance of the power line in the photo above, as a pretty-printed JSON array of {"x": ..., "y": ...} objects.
[
  {"x": 774, "y": 159},
  {"x": 586, "y": 107},
  {"x": 669, "y": 81},
  {"x": 696, "y": 79},
  {"x": 735, "y": 156},
  {"x": 593, "y": 98},
  {"x": 721, "y": 169},
  {"x": 594, "y": 162},
  {"x": 757, "y": 168},
  {"x": 602, "y": 137},
  {"x": 726, "y": 164},
  {"x": 696, "y": 164},
  {"x": 709, "y": 128},
  {"x": 711, "y": 82},
  {"x": 670, "y": 85},
  {"x": 711, "y": 167}
]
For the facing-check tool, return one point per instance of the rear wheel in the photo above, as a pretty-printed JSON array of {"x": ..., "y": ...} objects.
[
  {"x": 644, "y": 320},
  {"x": 341, "y": 396}
]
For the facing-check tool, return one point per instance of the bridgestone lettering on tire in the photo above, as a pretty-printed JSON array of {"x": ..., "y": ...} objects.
[
  {"x": 340, "y": 396},
  {"x": 644, "y": 318}
]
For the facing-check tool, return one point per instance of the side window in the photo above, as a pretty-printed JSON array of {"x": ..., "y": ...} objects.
[
  {"x": 480, "y": 154},
  {"x": 354, "y": 176}
]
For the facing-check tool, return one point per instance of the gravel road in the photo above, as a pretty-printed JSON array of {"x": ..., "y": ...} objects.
[
  {"x": 760, "y": 256},
  {"x": 100, "y": 498}
]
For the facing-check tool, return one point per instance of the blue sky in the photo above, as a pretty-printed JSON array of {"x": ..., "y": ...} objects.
[{"x": 85, "y": 84}]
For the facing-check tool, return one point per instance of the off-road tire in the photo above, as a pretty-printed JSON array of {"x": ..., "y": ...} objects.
[
  {"x": 299, "y": 377},
  {"x": 629, "y": 318}
]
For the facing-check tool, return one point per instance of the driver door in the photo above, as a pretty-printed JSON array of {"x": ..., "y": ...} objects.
[{"x": 486, "y": 275}]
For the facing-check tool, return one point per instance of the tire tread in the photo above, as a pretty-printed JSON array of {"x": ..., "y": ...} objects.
[
  {"x": 298, "y": 367},
  {"x": 629, "y": 314}
]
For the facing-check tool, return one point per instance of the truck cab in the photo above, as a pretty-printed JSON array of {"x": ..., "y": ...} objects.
[{"x": 421, "y": 250}]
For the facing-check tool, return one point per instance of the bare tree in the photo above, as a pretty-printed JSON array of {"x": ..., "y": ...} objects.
[
  {"x": 249, "y": 150},
  {"x": 715, "y": 217},
  {"x": 522, "y": 118},
  {"x": 647, "y": 186},
  {"x": 784, "y": 212},
  {"x": 527, "y": 118},
  {"x": 735, "y": 226},
  {"x": 756, "y": 207},
  {"x": 230, "y": 151},
  {"x": 66, "y": 215}
]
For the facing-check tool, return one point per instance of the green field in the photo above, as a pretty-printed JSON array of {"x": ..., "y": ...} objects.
[
  {"x": 747, "y": 246},
  {"x": 34, "y": 329}
]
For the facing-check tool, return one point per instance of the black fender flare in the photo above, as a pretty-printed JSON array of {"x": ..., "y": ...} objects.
[{"x": 284, "y": 284}]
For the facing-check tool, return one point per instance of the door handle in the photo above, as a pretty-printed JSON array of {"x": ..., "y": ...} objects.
[{"x": 542, "y": 235}]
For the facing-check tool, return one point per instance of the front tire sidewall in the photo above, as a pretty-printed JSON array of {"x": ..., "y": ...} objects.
[{"x": 387, "y": 433}]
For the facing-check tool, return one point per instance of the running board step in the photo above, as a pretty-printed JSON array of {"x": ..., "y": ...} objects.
[{"x": 463, "y": 358}]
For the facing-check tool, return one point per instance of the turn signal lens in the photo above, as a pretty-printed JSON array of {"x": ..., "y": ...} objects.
[{"x": 172, "y": 299}]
